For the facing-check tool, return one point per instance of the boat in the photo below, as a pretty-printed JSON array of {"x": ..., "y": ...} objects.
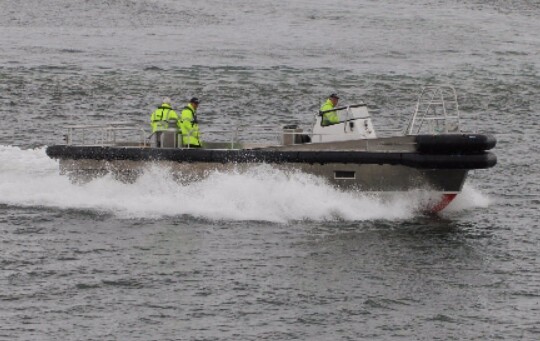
[{"x": 432, "y": 154}]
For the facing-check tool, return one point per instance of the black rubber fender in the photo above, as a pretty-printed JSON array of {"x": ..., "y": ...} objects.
[
  {"x": 415, "y": 160},
  {"x": 480, "y": 160},
  {"x": 454, "y": 143}
]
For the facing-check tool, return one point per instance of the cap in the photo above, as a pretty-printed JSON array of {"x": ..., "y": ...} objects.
[
  {"x": 166, "y": 100},
  {"x": 334, "y": 96},
  {"x": 194, "y": 100}
]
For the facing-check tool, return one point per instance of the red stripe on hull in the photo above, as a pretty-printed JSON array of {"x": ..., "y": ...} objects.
[{"x": 446, "y": 199}]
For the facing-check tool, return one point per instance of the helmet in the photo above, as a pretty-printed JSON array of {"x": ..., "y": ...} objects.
[{"x": 166, "y": 100}]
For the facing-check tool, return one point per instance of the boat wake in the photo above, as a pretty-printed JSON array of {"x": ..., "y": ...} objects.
[{"x": 30, "y": 179}]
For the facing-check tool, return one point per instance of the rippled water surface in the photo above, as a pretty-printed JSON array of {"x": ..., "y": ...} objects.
[{"x": 265, "y": 255}]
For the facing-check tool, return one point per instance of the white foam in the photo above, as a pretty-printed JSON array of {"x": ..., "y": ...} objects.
[
  {"x": 468, "y": 198},
  {"x": 30, "y": 178}
]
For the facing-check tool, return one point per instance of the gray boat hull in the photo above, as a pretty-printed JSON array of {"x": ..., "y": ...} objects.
[{"x": 365, "y": 177}]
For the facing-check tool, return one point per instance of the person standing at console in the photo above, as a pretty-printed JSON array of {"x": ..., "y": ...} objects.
[
  {"x": 159, "y": 120},
  {"x": 189, "y": 126},
  {"x": 330, "y": 117}
]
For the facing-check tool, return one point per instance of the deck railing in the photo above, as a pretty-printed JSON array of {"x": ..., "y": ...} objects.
[
  {"x": 109, "y": 134},
  {"x": 436, "y": 111}
]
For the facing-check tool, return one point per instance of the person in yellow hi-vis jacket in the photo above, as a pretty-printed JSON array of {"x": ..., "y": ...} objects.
[
  {"x": 330, "y": 117},
  {"x": 189, "y": 126},
  {"x": 159, "y": 120}
]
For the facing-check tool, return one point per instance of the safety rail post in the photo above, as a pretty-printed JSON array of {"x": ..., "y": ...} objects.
[
  {"x": 234, "y": 135},
  {"x": 444, "y": 111},
  {"x": 347, "y": 115},
  {"x": 70, "y": 137},
  {"x": 142, "y": 136}
]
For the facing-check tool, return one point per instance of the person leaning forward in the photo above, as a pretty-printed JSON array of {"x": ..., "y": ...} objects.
[
  {"x": 160, "y": 117},
  {"x": 189, "y": 126},
  {"x": 330, "y": 117}
]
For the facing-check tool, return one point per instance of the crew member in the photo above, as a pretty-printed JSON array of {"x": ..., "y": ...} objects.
[
  {"x": 330, "y": 117},
  {"x": 189, "y": 126},
  {"x": 160, "y": 117}
]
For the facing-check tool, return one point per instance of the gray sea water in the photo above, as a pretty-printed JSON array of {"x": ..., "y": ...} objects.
[{"x": 265, "y": 255}]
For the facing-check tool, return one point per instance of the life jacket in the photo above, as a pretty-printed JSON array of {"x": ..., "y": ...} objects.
[
  {"x": 330, "y": 117},
  {"x": 161, "y": 116},
  {"x": 189, "y": 127}
]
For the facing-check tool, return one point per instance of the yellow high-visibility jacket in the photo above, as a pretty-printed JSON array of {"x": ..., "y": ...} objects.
[
  {"x": 161, "y": 116},
  {"x": 189, "y": 126},
  {"x": 330, "y": 117}
]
